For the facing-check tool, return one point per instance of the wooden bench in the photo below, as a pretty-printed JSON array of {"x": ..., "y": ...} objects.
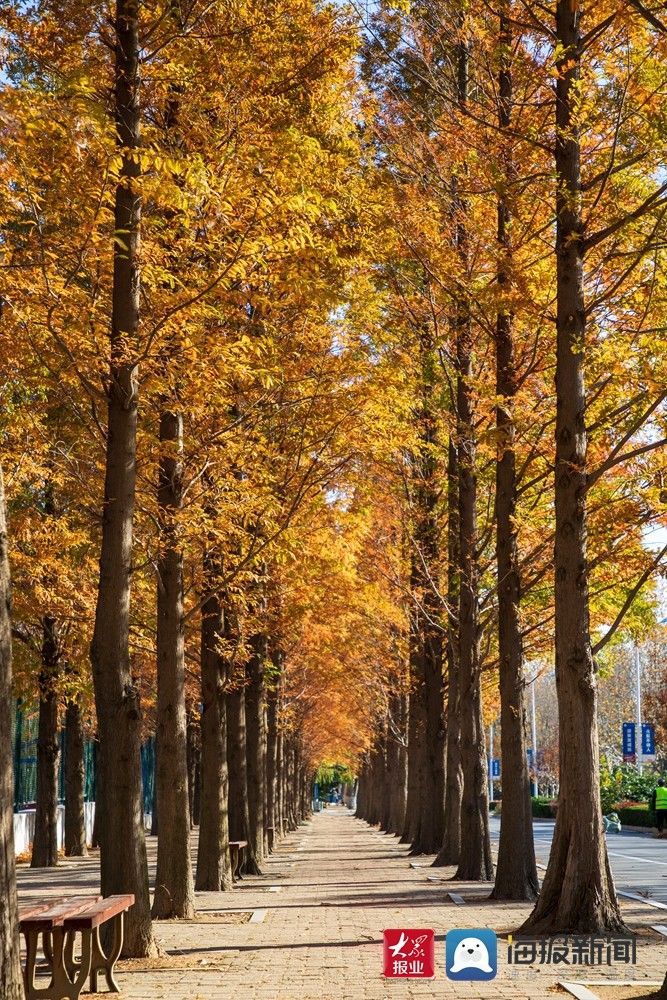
[
  {"x": 236, "y": 849},
  {"x": 58, "y": 921}
]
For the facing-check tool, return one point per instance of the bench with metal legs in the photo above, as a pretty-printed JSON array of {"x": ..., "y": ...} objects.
[
  {"x": 58, "y": 923},
  {"x": 88, "y": 922},
  {"x": 236, "y": 849}
]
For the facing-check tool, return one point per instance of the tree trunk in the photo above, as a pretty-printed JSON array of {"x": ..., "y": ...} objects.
[
  {"x": 360, "y": 810},
  {"x": 290, "y": 812},
  {"x": 578, "y": 893},
  {"x": 196, "y": 800},
  {"x": 475, "y": 849},
  {"x": 214, "y": 870},
  {"x": 174, "y": 888},
  {"x": 155, "y": 819},
  {"x": 10, "y": 963},
  {"x": 401, "y": 799},
  {"x": 389, "y": 763},
  {"x": 451, "y": 842},
  {"x": 283, "y": 741},
  {"x": 97, "y": 816},
  {"x": 415, "y": 753},
  {"x": 380, "y": 783},
  {"x": 75, "y": 778},
  {"x": 272, "y": 823},
  {"x": 397, "y": 763},
  {"x": 45, "y": 845},
  {"x": 239, "y": 814},
  {"x": 390, "y": 769},
  {"x": 123, "y": 848},
  {"x": 375, "y": 776},
  {"x": 426, "y": 633},
  {"x": 280, "y": 770},
  {"x": 256, "y": 742},
  {"x": 193, "y": 752},
  {"x": 516, "y": 872}
]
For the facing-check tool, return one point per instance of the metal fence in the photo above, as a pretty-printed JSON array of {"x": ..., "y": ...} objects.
[{"x": 24, "y": 743}]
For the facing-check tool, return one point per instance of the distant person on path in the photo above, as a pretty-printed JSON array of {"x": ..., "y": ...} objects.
[{"x": 659, "y": 806}]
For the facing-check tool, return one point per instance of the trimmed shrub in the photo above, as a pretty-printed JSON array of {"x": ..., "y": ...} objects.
[
  {"x": 635, "y": 814},
  {"x": 544, "y": 808}
]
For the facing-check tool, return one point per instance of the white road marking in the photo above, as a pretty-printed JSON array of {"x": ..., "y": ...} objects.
[{"x": 633, "y": 857}]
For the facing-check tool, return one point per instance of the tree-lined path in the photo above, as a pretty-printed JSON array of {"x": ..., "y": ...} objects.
[
  {"x": 333, "y": 415},
  {"x": 328, "y": 892}
]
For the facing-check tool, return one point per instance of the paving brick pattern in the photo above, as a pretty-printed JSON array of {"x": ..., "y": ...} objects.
[{"x": 329, "y": 890}]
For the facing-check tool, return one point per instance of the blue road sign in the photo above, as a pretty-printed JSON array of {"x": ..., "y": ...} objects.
[
  {"x": 629, "y": 741},
  {"x": 648, "y": 739},
  {"x": 495, "y": 768}
]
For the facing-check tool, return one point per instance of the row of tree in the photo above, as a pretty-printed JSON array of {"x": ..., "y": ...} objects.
[
  {"x": 182, "y": 398},
  {"x": 526, "y": 163}
]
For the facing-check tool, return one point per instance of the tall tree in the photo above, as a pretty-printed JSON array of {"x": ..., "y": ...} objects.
[
  {"x": 516, "y": 872},
  {"x": 75, "y": 778},
  {"x": 213, "y": 861},
  {"x": 451, "y": 843},
  {"x": 255, "y": 712},
  {"x": 237, "y": 756},
  {"x": 174, "y": 887},
  {"x": 10, "y": 964},
  {"x": 122, "y": 840},
  {"x": 45, "y": 844},
  {"x": 475, "y": 848},
  {"x": 427, "y": 698},
  {"x": 578, "y": 889}
]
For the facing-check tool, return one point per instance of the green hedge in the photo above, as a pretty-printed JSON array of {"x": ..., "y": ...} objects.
[
  {"x": 636, "y": 816},
  {"x": 543, "y": 807},
  {"x": 639, "y": 815}
]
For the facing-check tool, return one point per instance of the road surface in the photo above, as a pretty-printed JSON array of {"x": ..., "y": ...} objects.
[{"x": 638, "y": 861}]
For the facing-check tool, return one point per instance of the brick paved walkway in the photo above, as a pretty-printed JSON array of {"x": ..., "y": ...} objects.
[{"x": 328, "y": 892}]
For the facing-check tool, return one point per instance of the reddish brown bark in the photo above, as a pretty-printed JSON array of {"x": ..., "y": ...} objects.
[
  {"x": 124, "y": 866},
  {"x": 578, "y": 891},
  {"x": 10, "y": 964}
]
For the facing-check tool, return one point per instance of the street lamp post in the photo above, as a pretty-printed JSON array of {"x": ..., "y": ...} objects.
[
  {"x": 638, "y": 697},
  {"x": 491, "y": 763},
  {"x": 534, "y": 735}
]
